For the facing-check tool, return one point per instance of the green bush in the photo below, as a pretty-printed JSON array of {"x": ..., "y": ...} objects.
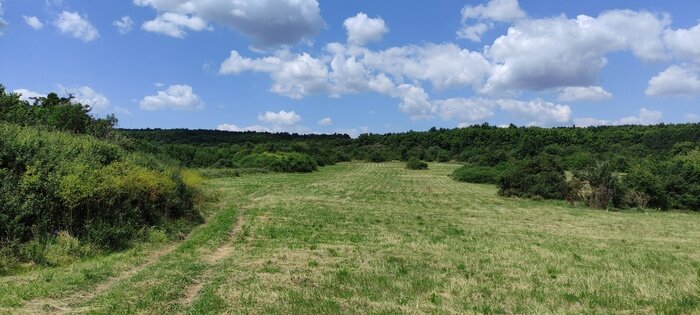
[
  {"x": 606, "y": 190},
  {"x": 542, "y": 176},
  {"x": 85, "y": 187},
  {"x": 290, "y": 162},
  {"x": 376, "y": 156},
  {"x": 54, "y": 112},
  {"x": 478, "y": 174},
  {"x": 416, "y": 164}
]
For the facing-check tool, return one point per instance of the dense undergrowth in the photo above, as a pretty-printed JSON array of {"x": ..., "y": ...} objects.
[{"x": 64, "y": 190}]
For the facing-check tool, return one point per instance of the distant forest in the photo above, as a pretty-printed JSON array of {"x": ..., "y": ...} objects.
[{"x": 604, "y": 167}]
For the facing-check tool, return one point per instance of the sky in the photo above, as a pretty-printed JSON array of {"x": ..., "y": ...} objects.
[{"x": 359, "y": 66}]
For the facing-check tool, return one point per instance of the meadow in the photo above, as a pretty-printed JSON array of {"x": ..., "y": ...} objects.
[{"x": 379, "y": 238}]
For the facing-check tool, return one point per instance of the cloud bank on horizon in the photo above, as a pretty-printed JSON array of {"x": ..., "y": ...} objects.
[{"x": 503, "y": 62}]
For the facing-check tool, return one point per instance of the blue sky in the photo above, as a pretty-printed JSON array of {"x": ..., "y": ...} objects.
[{"x": 358, "y": 66}]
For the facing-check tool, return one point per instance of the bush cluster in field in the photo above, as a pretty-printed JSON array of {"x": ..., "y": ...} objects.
[
  {"x": 671, "y": 184},
  {"x": 416, "y": 164},
  {"x": 58, "y": 183}
]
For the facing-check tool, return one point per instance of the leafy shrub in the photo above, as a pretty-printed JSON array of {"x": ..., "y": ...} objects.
[
  {"x": 376, "y": 156},
  {"x": 54, "y": 112},
  {"x": 89, "y": 188},
  {"x": 642, "y": 185},
  {"x": 541, "y": 176},
  {"x": 416, "y": 164},
  {"x": 291, "y": 162},
  {"x": 606, "y": 190},
  {"x": 478, "y": 174}
]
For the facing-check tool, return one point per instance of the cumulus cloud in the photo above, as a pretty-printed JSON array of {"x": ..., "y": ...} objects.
[
  {"x": 584, "y": 93},
  {"x": 75, "y": 25},
  {"x": 361, "y": 29},
  {"x": 33, "y": 22},
  {"x": 645, "y": 117},
  {"x": 124, "y": 25},
  {"x": 683, "y": 42},
  {"x": 174, "y": 24},
  {"x": 675, "y": 81},
  {"x": 267, "y": 22},
  {"x": 178, "y": 97},
  {"x": 692, "y": 117},
  {"x": 493, "y": 11},
  {"x": 559, "y": 52},
  {"x": 559, "y": 55},
  {"x": 537, "y": 112},
  {"x": 325, "y": 121},
  {"x": 444, "y": 65},
  {"x": 280, "y": 119},
  {"x": 295, "y": 76},
  {"x": 28, "y": 95}
]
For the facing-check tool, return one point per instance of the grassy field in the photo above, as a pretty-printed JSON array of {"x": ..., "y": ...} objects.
[{"x": 377, "y": 238}]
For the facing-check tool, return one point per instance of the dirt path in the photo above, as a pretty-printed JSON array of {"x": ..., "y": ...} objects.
[
  {"x": 63, "y": 305},
  {"x": 192, "y": 291}
]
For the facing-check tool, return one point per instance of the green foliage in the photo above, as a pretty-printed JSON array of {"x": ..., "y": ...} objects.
[
  {"x": 416, "y": 164},
  {"x": 479, "y": 174},
  {"x": 542, "y": 176},
  {"x": 606, "y": 190},
  {"x": 376, "y": 156},
  {"x": 88, "y": 188},
  {"x": 53, "y": 112},
  {"x": 291, "y": 162}
]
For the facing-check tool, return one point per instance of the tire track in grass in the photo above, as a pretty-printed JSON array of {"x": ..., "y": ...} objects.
[
  {"x": 192, "y": 291},
  {"x": 62, "y": 305},
  {"x": 158, "y": 281}
]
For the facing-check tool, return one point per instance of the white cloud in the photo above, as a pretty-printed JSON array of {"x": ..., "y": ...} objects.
[
  {"x": 232, "y": 127},
  {"x": 33, "y": 22},
  {"x": 325, "y": 121},
  {"x": 683, "y": 42},
  {"x": 466, "y": 109},
  {"x": 178, "y": 97},
  {"x": 474, "y": 32},
  {"x": 537, "y": 112},
  {"x": 493, "y": 11},
  {"x": 556, "y": 55},
  {"x": 27, "y": 95},
  {"x": 415, "y": 102},
  {"x": 584, "y": 93},
  {"x": 124, "y": 25},
  {"x": 267, "y": 22},
  {"x": 539, "y": 54},
  {"x": 295, "y": 76},
  {"x": 72, "y": 24},
  {"x": 692, "y": 117},
  {"x": 444, "y": 65},
  {"x": 361, "y": 29},
  {"x": 280, "y": 119},
  {"x": 675, "y": 81},
  {"x": 87, "y": 96},
  {"x": 646, "y": 117},
  {"x": 174, "y": 24}
]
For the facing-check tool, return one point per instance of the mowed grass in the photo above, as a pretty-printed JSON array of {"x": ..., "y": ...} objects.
[{"x": 377, "y": 238}]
